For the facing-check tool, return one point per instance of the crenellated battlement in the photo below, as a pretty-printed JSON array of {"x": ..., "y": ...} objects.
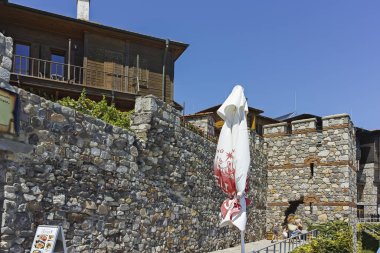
[
  {"x": 336, "y": 121},
  {"x": 304, "y": 125},
  {"x": 276, "y": 129}
]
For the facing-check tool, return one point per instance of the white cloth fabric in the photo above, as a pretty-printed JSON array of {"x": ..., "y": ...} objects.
[{"x": 233, "y": 151}]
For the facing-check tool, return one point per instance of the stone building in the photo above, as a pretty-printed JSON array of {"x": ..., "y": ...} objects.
[
  {"x": 148, "y": 189},
  {"x": 311, "y": 169},
  {"x": 368, "y": 146}
]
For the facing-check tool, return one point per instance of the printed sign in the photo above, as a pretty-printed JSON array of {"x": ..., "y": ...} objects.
[
  {"x": 8, "y": 112},
  {"x": 49, "y": 239}
]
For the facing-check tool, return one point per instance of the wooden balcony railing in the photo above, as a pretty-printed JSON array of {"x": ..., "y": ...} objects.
[{"x": 71, "y": 74}]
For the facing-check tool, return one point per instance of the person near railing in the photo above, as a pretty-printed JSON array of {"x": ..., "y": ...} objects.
[
  {"x": 298, "y": 223},
  {"x": 293, "y": 229},
  {"x": 276, "y": 232},
  {"x": 285, "y": 232}
]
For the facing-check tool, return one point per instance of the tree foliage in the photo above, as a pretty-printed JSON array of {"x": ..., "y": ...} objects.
[
  {"x": 100, "y": 110},
  {"x": 333, "y": 237}
]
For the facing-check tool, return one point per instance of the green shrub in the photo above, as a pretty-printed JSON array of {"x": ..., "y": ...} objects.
[
  {"x": 333, "y": 237},
  {"x": 368, "y": 237},
  {"x": 100, "y": 110}
]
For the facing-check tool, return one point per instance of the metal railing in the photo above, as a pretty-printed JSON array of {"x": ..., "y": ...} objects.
[
  {"x": 369, "y": 219},
  {"x": 370, "y": 228},
  {"x": 67, "y": 73},
  {"x": 289, "y": 244}
]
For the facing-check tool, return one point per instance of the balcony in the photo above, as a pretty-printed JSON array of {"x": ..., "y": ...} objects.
[{"x": 43, "y": 74}]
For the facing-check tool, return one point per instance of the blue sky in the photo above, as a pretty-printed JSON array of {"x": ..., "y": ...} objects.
[{"x": 327, "y": 52}]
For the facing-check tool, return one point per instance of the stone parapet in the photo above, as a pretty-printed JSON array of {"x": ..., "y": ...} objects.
[
  {"x": 304, "y": 125},
  {"x": 336, "y": 121},
  {"x": 149, "y": 111},
  {"x": 135, "y": 191},
  {"x": 277, "y": 129}
]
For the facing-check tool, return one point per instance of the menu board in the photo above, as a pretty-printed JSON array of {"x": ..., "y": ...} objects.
[
  {"x": 49, "y": 239},
  {"x": 8, "y": 106}
]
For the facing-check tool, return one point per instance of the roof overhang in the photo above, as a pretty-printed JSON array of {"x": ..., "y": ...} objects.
[{"x": 177, "y": 47}]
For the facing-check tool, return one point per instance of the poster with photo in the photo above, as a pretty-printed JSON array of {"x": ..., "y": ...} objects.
[
  {"x": 8, "y": 112},
  {"x": 48, "y": 239}
]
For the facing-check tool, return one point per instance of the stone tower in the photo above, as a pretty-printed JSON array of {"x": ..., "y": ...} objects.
[{"x": 311, "y": 169}]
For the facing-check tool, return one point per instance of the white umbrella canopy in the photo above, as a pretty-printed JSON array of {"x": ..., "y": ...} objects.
[{"x": 232, "y": 159}]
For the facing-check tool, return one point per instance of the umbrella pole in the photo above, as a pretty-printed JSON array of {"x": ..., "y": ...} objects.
[{"x": 242, "y": 242}]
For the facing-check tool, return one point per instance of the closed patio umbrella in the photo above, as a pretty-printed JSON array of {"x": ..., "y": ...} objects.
[{"x": 232, "y": 160}]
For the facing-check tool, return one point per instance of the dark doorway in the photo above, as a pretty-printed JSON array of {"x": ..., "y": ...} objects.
[
  {"x": 293, "y": 205},
  {"x": 360, "y": 209}
]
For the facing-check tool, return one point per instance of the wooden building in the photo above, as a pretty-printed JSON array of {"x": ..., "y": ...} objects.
[{"x": 58, "y": 56}]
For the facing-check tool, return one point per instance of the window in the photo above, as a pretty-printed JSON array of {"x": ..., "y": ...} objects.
[
  {"x": 367, "y": 153},
  {"x": 141, "y": 73},
  {"x": 57, "y": 66},
  {"x": 259, "y": 129},
  {"x": 311, "y": 170},
  {"x": 21, "y": 59},
  {"x": 360, "y": 189},
  {"x": 289, "y": 128},
  {"x": 311, "y": 207}
]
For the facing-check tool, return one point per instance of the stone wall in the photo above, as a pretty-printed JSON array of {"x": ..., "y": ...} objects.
[
  {"x": 147, "y": 190},
  {"x": 368, "y": 174},
  {"x": 182, "y": 160},
  {"x": 80, "y": 173},
  {"x": 6, "y": 51},
  {"x": 368, "y": 189},
  {"x": 311, "y": 171}
]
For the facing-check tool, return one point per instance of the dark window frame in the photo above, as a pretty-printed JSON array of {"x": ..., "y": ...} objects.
[
  {"x": 57, "y": 68},
  {"x": 19, "y": 59}
]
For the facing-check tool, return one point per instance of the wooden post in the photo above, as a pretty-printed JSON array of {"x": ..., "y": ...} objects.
[{"x": 68, "y": 61}]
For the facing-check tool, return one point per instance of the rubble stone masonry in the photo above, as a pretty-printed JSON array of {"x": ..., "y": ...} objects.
[
  {"x": 311, "y": 170},
  {"x": 152, "y": 188},
  {"x": 114, "y": 190},
  {"x": 6, "y": 52}
]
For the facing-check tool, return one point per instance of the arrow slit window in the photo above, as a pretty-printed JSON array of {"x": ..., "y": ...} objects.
[{"x": 311, "y": 170}]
